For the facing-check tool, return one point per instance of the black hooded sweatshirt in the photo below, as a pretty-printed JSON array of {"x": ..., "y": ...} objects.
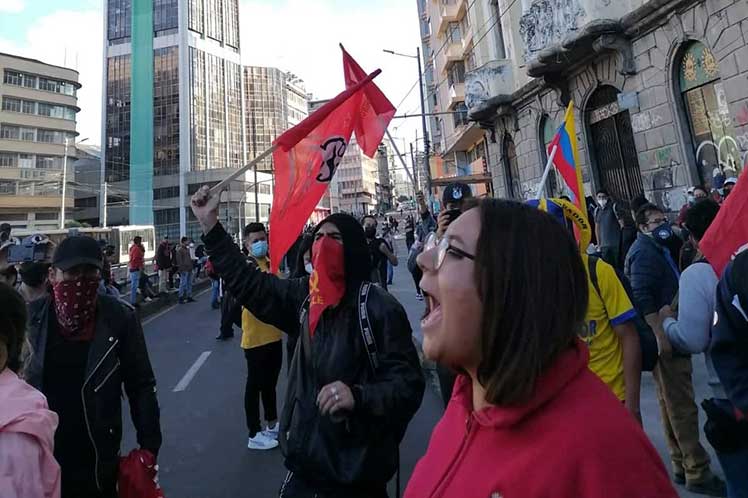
[{"x": 359, "y": 453}]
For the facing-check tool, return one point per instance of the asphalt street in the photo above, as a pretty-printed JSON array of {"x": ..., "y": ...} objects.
[{"x": 201, "y": 388}]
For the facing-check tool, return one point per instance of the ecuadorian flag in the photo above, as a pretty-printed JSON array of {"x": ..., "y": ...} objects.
[{"x": 566, "y": 159}]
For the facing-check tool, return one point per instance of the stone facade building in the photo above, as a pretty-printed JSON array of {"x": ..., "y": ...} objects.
[{"x": 659, "y": 90}]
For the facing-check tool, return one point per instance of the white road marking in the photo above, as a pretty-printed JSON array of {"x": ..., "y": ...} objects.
[{"x": 185, "y": 382}]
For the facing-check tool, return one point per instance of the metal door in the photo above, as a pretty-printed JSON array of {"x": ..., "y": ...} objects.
[{"x": 612, "y": 146}]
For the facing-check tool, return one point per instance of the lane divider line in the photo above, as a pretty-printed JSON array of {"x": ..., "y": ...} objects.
[{"x": 185, "y": 382}]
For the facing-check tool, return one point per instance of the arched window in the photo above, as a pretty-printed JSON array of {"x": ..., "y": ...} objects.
[
  {"x": 708, "y": 114},
  {"x": 554, "y": 186},
  {"x": 511, "y": 169}
]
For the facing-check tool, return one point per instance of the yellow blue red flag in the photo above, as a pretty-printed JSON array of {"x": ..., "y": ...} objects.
[{"x": 566, "y": 159}]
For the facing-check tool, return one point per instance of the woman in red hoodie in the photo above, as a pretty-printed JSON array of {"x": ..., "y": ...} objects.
[{"x": 507, "y": 294}]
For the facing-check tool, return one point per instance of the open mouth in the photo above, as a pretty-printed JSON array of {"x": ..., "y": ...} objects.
[{"x": 433, "y": 312}]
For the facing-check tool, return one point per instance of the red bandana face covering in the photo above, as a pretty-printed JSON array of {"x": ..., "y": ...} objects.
[
  {"x": 327, "y": 282},
  {"x": 75, "y": 306}
]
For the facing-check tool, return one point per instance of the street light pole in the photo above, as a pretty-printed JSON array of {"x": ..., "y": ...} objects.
[{"x": 426, "y": 144}]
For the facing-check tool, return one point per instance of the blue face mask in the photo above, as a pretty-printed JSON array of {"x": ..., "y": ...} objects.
[
  {"x": 663, "y": 232},
  {"x": 260, "y": 249}
]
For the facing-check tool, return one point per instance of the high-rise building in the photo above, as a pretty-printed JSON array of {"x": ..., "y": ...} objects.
[
  {"x": 172, "y": 108},
  {"x": 37, "y": 130},
  {"x": 384, "y": 183},
  {"x": 297, "y": 100}
]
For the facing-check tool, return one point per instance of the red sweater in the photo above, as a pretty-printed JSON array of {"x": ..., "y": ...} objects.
[
  {"x": 573, "y": 439},
  {"x": 137, "y": 257}
]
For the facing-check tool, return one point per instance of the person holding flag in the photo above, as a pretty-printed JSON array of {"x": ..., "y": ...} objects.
[{"x": 355, "y": 380}]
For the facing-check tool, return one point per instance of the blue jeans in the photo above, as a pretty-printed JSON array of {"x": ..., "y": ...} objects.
[
  {"x": 735, "y": 465},
  {"x": 185, "y": 284},
  {"x": 215, "y": 292},
  {"x": 134, "y": 284},
  {"x": 390, "y": 273}
]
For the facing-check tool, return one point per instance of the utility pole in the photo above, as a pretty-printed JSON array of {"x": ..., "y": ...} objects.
[
  {"x": 426, "y": 144},
  {"x": 254, "y": 151},
  {"x": 64, "y": 184},
  {"x": 415, "y": 168},
  {"x": 104, "y": 203}
]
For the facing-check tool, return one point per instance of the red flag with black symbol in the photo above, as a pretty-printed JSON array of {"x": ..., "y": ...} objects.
[
  {"x": 305, "y": 160},
  {"x": 377, "y": 110},
  {"x": 728, "y": 233}
]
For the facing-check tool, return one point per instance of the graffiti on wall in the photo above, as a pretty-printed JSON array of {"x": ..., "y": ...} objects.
[
  {"x": 489, "y": 80},
  {"x": 547, "y": 22},
  {"x": 643, "y": 121}
]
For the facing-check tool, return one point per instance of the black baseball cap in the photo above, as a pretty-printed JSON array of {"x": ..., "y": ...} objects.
[
  {"x": 456, "y": 192},
  {"x": 76, "y": 251}
]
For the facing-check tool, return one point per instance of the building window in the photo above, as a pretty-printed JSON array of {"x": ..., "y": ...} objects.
[
  {"x": 29, "y": 81},
  {"x": 708, "y": 115},
  {"x": 554, "y": 184},
  {"x": 119, "y": 19},
  {"x": 456, "y": 73},
  {"x": 48, "y": 162},
  {"x": 165, "y": 16},
  {"x": 8, "y": 160},
  {"x": 13, "y": 78},
  {"x": 214, "y": 15},
  {"x": 454, "y": 35},
  {"x": 216, "y": 112},
  {"x": 9, "y": 132},
  {"x": 198, "y": 124},
  {"x": 86, "y": 202},
  {"x": 117, "y": 166},
  {"x": 28, "y": 107},
  {"x": 25, "y": 161},
  {"x": 197, "y": 16},
  {"x": 511, "y": 169},
  {"x": 47, "y": 216},
  {"x": 498, "y": 33},
  {"x": 11, "y": 104},
  {"x": 7, "y": 187},
  {"x": 166, "y": 111},
  {"x": 460, "y": 115},
  {"x": 232, "y": 23}
]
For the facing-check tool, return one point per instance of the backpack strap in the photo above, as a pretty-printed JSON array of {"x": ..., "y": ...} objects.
[
  {"x": 592, "y": 267},
  {"x": 365, "y": 325}
]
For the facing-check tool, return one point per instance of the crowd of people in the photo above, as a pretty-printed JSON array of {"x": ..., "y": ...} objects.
[{"x": 561, "y": 386}]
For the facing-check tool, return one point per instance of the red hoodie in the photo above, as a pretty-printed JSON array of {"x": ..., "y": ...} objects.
[{"x": 573, "y": 439}]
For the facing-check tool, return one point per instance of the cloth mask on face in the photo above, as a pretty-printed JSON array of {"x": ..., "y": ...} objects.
[
  {"x": 602, "y": 202},
  {"x": 327, "y": 280},
  {"x": 75, "y": 306},
  {"x": 691, "y": 199},
  {"x": 309, "y": 268},
  {"x": 260, "y": 249}
]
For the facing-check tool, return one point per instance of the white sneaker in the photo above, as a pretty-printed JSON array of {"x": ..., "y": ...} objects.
[
  {"x": 272, "y": 432},
  {"x": 261, "y": 442}
]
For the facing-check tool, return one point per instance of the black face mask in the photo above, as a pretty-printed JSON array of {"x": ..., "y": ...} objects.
[
  {"x": 33, "y": 274},
  {"x": 370, "y": 232}
]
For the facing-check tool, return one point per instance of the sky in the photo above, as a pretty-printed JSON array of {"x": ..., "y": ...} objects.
[{"x": 301, "y": 36}]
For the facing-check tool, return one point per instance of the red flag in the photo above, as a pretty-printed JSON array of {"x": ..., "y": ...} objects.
[
  {"x": 305, "y": 159},
  {"x": 728, "y": 233},
  {"x": 377, "y": 110}
]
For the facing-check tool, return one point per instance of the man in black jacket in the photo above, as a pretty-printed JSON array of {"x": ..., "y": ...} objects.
[
  {"x": 349, "y": 401},
  {"x": 654, "y": 275},
  {"x": 86, "y": 347}
]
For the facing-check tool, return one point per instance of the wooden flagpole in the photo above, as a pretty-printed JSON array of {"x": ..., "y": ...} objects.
[{"x": 236, "y": 174}]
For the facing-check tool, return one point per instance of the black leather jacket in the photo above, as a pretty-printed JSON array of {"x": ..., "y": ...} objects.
[
  {"x": 361, "y": 450},
  {"x": 117, "y": 356}
]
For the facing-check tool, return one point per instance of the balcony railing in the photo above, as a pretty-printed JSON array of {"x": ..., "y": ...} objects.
[{"x": 456, "y": 94}]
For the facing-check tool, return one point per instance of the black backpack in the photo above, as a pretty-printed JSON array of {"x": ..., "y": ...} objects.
[{"x": 647, "y": 339}]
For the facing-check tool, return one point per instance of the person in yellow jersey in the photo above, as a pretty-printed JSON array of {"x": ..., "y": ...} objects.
[
  {"x": 611, "y": 335},
  {"x": 263, "y": 350}
]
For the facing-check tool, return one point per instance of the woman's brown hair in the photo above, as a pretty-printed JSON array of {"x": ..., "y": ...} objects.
[
  {"x": 533, "y": 286},
  {"x": 12, "y": 325}
]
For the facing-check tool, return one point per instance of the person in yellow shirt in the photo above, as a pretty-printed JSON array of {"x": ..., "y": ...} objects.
[
  {"x": 263, "y": 349},
  {"x": 611, "y": 335}
]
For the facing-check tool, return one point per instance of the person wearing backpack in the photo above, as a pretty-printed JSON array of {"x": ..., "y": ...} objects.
[
  {"x": 654, "y": 276},
  {"x": 727, "y": 425},
  {"x": 691, "y": 331},
  {"x": 611, "y": 335},
  {"x": 356, "y": 380}
]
